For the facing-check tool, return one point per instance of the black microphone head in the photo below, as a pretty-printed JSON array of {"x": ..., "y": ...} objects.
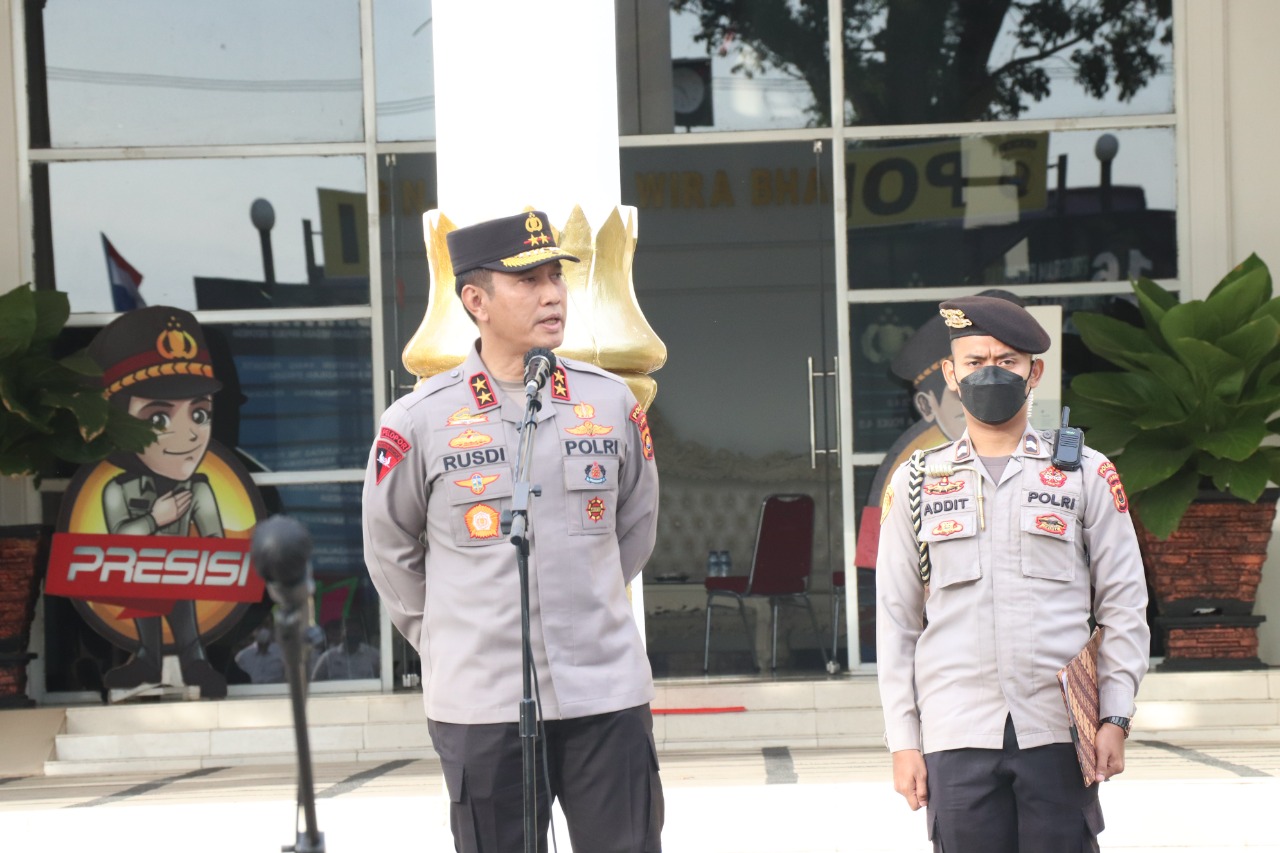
[
  {"x": 540, "y": 352},
  {"x": 281, "y": 550}
]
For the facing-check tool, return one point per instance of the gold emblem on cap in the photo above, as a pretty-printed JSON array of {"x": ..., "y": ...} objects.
[
  {"x": 175, "y": 342},
  {"x": 954, "y": 318},
  {"x": 533, "y": 224}
]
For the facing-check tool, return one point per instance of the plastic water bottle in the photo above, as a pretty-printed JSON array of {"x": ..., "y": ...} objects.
[
  {"x": 726, "y": 565},
  {"x": 713, "y": 564}
]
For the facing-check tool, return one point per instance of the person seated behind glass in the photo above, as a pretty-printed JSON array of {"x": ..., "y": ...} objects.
[
  {"x": 262, "y": 660},
  {"x": 352, "y": 658}
]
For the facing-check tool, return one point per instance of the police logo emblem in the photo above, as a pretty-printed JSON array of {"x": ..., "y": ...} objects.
[
  {"x": 477, "y": 482},
  {"x": 950, "y": 527},
  {"x": 595, "y": 474},
  {"x": 1053, "y": 477},
  {"x": 944, "y": 486},
  {"x": 1051, "y": 524},
  {"x": 482, "y": 522},
  {"x": 595, "y": 509}
]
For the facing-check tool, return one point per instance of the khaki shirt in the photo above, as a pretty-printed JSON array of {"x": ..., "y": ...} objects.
[
  {"x": 127, "y": 501},
  {"x": 1009, "y": 604},
  {"x": 441, "y": 473}
]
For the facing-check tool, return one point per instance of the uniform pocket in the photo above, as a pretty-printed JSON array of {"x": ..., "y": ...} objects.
[
  {"x": 476, "y": 502},
  {"x": 1049, "y": 548},
  {"x": 591, "y": 495},
  {"x": 953, "y": 547}
]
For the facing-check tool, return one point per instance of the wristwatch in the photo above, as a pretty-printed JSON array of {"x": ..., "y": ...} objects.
[{"x": 1122, "y": 722}]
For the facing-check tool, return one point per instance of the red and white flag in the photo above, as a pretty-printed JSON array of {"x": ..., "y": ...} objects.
[{"x": 125, "y": 280}]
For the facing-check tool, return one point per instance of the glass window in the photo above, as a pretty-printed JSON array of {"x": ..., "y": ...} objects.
[
  {"x": 707, "y": 66},
  {"x": 735, "y": 273},
  {"x": 406, "y": 190},
  {"x": 922, "y": 63},
  {"x": 1012, "y": 208},
  {"x": 404, "y": 70},
  {"x": 183, "y": 232},
  {"x": 306, "y": 398},
  {"x": 156, "y": 72}
]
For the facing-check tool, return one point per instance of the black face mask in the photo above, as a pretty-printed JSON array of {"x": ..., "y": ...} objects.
[{"x": 992, "y": 394}]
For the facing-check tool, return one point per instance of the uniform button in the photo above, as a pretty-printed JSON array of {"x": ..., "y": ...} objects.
[{"x": 454, "y": 374}]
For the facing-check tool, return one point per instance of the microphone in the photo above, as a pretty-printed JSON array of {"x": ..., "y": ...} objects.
[
  {"x": 281, "y": 553},
  {"x": 538, "y": 364}
]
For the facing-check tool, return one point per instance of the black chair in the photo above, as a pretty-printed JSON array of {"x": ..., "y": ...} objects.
[{"x": 780, "y": 568}]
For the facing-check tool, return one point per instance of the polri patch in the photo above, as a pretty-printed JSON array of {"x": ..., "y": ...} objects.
[
  {"x": 1107, "y": 471},
  {"x": 641, "y": 420},
  {"x": 885, "y": 503},
  {"x": 391, "y": 450}
]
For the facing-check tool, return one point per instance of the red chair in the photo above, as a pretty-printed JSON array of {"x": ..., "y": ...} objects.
[{"x": 780, "y": 570}]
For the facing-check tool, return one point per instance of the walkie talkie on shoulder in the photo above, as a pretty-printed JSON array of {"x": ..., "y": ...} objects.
[{"x": 1069, "y": 445}]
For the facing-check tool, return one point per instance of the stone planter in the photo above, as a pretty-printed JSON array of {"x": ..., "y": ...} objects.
[
  {"x": 1205, "y": 578},
  {"x": 24, "y": 553}
]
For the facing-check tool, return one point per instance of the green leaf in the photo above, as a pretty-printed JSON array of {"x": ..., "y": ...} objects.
[
  {"x": 52, "y": 310},
  {"x": 1213, "y": 369},
  {"x": 1194, "y": 321},
  {"x": 1251, "y": 342},
  {"x": 1236, "y": 443},
  {"x": 1160, "y": 510},
  {"x": 90, "y": 410},
  {"x": 1240, "y": 294},
  {"x": 82, "y": 364},
  {"x": 1153, "y": 302},
  {"x": 17, "y": 321},
  {"x": 1114, "y": 340},
  {"x": 1144, "y": 466},
  {"x": 1248, "y": 478}
]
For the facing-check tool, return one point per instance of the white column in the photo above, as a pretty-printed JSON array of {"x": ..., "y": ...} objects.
[
  {"x": 526, "y": 108},
  {"x": 527, "y": 115}
]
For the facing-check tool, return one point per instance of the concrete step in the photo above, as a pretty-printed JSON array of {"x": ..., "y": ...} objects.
[{"x": 691, "y": 715}]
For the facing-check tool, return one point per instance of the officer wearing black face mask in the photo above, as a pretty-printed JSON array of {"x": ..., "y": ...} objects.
[{"x": 991, "y": 563}]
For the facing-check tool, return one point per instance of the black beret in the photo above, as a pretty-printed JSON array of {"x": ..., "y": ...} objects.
[
  {"x": 157, "y": 352},
  {"x": 989, "y": 315},
  {"x": 509, "y": 244},
  {"x": 923, "y": 353}
]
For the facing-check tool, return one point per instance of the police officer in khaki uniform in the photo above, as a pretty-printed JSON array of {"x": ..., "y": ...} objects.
[
  {"x": 440, "y": 475},
  {"x": 1020, "y": 555}
]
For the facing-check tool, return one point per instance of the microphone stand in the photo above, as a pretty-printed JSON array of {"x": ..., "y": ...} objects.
[
  {"x": 515, "y": 522},
  {"x": 291, "y": 624}
]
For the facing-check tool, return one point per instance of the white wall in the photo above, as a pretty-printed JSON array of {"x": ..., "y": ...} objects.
[{"x": 1252, "y": 175}]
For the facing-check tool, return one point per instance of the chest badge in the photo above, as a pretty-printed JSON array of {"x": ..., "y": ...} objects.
[
  {"x": 950, "y": 527},
  {"x": 470, "y": 438},
  {"x": 944, "y": 486},
  {"x": 595, "y": 474},
  {"x": 1053, "y": 477},
  {"x": 595, "y": 509},
  {"x": 482, "y": 522},
  {"x": 477, "y": 482},
  {"x": 465, "y": 417},
  {"x": 1051, "y": 523}
]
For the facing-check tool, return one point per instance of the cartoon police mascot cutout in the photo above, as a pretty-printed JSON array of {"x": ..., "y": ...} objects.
[{"x": 189, "y": 498}]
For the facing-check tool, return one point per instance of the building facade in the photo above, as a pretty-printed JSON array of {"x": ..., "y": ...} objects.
[{"x": 810, "y": 180}]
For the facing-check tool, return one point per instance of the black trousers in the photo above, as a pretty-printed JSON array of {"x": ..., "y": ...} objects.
[
  {"x": 603, "y": 770},
  {"x": 1011, "y": 800}
]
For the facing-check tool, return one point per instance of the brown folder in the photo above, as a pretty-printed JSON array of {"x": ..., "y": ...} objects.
[{"x": 1079, "y": 682}]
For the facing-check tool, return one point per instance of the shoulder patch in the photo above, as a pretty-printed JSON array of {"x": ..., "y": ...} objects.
[
  {"x": 641, "y": 420},
  {"x": 1107, "y": 471},
  {"x": 390, "y": 450},
  {"x": 482, "y": 391}
]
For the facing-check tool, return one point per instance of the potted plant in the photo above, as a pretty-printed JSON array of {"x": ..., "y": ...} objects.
[
  {"x": 1186, "y": 420},
  {"x": 51, "y": 410}
]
